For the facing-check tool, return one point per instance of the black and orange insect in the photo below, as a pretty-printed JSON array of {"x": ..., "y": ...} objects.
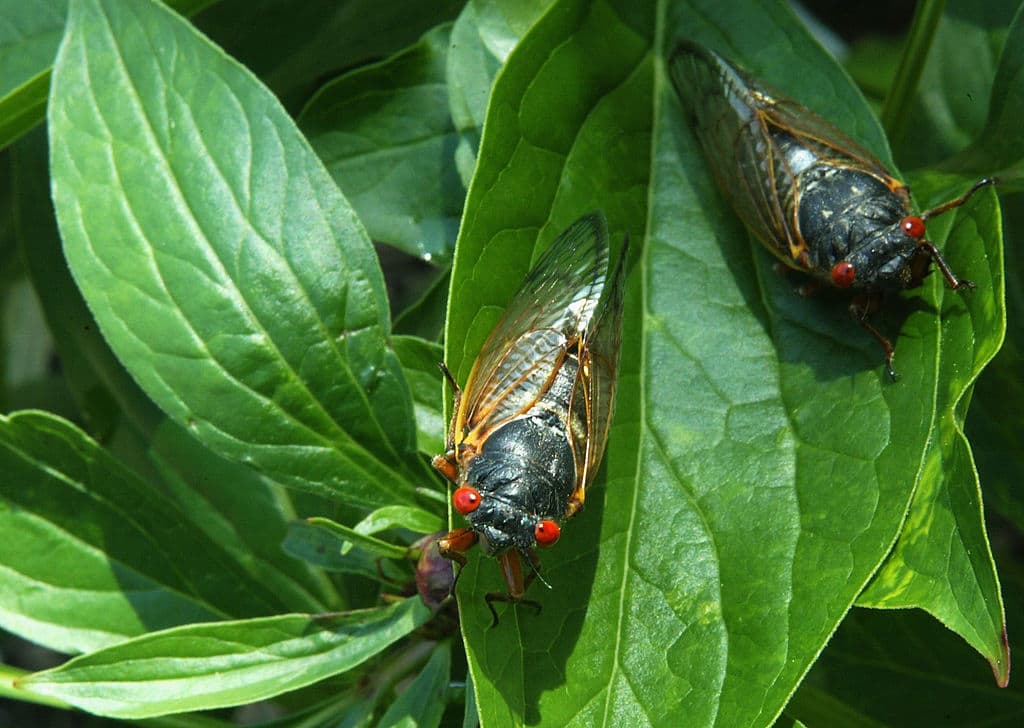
[
  {"x": 817, "y": 200},
  {"x": 529, "y": 429}
]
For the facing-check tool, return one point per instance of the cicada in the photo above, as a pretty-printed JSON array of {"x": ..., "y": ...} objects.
[
  {"x": 820, "y": 202},
  {"x": 528, "y": 431}
]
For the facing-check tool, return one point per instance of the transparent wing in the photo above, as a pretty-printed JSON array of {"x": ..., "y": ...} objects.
[
  {"x": 818, "y": 134},
  {"x": 598, "y": 374},
  {"x": 727, "y": 117},
  {"x": 550, "y": 312}
]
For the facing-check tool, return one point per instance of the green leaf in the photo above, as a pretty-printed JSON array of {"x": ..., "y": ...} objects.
[
  {"x": 103, "y": 390},
  {"x": 760, "y": 463},
  {"x": 29, "y": 36},
  {"x": 354, "y": 537},
  {"x": 413, "y": 519},
  {"x": 949, "y": 104},
  {"x": 385, "y": 135},
  {"x": 995, "y": 436},
  {"x": 201, "y": 667},
  {"x": 222, "y": 264},
  {"x": 420, "y": 361},
  {"x": 484, "y": 35},
  {"x": 99, "y": 556},
  {"x": 424, "y": 317},
  {"x": 422, "y": 703},
  {"x": 244, "y": 513},
  {"x": 322, "y": 548},
  {"x": 880, "y": 665},
  {"x": 942, "y": 561}
]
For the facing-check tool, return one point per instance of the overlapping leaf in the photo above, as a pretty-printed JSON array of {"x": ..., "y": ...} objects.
[
  {"x": 760, "y": 464},
  {"x": 386, "y": 136}
]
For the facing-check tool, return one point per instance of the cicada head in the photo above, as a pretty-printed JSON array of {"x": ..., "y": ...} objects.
[{"x": 893, "y": 257}]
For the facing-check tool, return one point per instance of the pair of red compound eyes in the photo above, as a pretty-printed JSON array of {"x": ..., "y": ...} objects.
[
  {"x": 844, "y": 274},
  {"x": 467, "y": 499}
]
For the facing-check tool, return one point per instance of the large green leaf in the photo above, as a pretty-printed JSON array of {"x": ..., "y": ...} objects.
[
  {"x": 93, "y": 555},
  {"x": 385, "y": 135},
  {"x": 225, "y": 268},
  {"x": 760, "y": 463},
  {"x": 200, "y": 667}
]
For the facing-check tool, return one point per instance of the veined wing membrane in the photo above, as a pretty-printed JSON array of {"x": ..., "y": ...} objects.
[{"x": 551, "y": 311}]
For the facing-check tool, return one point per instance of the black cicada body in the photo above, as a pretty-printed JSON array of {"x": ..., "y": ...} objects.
[
  {"x": 529, "y": 429},
  {"x": 820, "y": 202}
]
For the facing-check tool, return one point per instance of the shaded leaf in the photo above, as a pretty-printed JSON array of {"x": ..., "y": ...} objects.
[
  {"x": 292, "y": 46},
  {"x": 422, "y": 703},
  {"x": 420, "y": 360},
  {"x": 29, "y": 35},
  {"x": 201, "y": 667},
  {"x": 385, "y": 135},
  {"x": 482, "y": 39},
  {"x": 879, "y": 662},
  {"x": 225, "y": 269},
  {"x": 103, "y": 390}
]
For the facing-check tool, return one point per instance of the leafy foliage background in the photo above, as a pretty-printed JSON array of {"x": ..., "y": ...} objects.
[{"x": 207, "y": 353}]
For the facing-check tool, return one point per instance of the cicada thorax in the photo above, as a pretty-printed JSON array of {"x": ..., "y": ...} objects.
[{"x": 838, "y": 211}]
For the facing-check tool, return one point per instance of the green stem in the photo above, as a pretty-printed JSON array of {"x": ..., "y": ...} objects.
[{"x": 898, "y": 106}]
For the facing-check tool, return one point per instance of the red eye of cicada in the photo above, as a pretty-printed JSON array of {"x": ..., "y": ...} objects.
[
  {"x": 466, "y": 499},
  {"x": 546, "y": 533},
  {"x": 843, "y": 274},
  {"x": 913, "y": 226}
]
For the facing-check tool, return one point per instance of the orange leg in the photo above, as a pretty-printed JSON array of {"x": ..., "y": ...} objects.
[
  {"x": 959, "y": 200},
  {"x": 446, "y": 465},
  {"x": 860, "y": 308},
  {"x": 952, "y": 281},
  {"x": 512, "y": 570},
  {"x": 452, "y": 545}
]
